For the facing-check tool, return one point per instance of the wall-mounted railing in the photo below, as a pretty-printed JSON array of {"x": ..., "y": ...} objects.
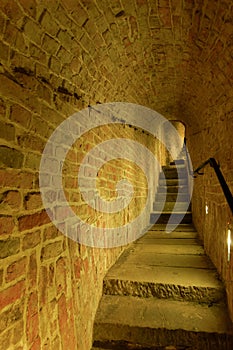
[{"x": 212, "y": 162}]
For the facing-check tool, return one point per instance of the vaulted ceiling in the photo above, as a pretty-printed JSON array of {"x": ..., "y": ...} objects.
[{"x": 174, "y": 56}]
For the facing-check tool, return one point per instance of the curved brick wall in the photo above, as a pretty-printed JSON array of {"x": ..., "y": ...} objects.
[{"x": 56, "y": 58}]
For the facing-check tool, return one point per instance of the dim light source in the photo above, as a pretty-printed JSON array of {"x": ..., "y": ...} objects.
[{"x": 228, "y": 243}]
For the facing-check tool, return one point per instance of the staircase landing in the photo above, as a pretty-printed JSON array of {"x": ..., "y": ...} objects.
[{"x": 163, "y": 293}]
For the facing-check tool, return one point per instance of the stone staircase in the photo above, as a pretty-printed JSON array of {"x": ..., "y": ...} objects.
[
  {"x": 172, "y": 193},
  {"x": 164, "y": 292}
]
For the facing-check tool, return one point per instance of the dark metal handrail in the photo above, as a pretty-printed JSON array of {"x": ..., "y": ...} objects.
[{"x": 212, "y": 162}]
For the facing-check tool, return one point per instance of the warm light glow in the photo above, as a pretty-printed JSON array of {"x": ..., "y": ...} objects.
[
  {"x": 206, "y": 209},
  {"x": 228, "y": 244}
]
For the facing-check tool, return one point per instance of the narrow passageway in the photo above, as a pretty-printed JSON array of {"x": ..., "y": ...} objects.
[
  {"x": 77, "y": 76},
  {"x": 164, "y": 292}
]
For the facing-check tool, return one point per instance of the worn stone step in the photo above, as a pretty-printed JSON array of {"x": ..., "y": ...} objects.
[
  {"x": 166, "y": 260},
  {"x": 174, "y": 165},
  {"x": 172, "y": 182},
  {"x": 177, "y": 162},
  {"x": 173, "y": 189},
  {"x": 181, "y": 228},
  {"x": 169, "y": 206},
  {"x": 171, "y": 197},
  {"x": 180, "y": 289},
  {"x": 146, "y": 270},
  {"x": 173, "y": 172},
  {"x": 175, "y": 218},
  {"x": 153, "y": 234},
  {"x": 154, "y": 322}
]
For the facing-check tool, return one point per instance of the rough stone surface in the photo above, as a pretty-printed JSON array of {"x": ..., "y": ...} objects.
[
  {"x": 151, "y": 322},
  {"x": 157, "y": 296}
]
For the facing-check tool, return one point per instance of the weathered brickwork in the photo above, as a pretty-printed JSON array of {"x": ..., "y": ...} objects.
[
  {"x": 209, "y": 111},
  {"x": 57, "y": 57}
]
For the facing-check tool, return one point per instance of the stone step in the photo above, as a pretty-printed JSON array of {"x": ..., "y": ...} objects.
[
  {"x": 167, "y": 282},
  {"x": 163, "y": 293},
  {"x": 169, "y": 206},
  {"x": 126, "y": 322},
  {"x": 173, "y": 173},
  {"x": 174, "y": 218},
  {"x": 174, "y": 165},
  {"x": 172, "y": 182},
  {"x": 154, "y": 234},
  {"x": 172, "y": 197},
  {"x": 181, "y": 230},
  {"x": 177, "y": 162},
  {"x": 173, "y": 189},
  {"x": 160, "y": 265}
]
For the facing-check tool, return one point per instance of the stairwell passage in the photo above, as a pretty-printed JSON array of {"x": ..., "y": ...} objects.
[
  {"x": 172, "y": 195},
  {"x": 164, "y": 292}
]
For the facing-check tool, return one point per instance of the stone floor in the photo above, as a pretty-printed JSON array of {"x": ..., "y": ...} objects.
[{"x": 163, "y": 293}]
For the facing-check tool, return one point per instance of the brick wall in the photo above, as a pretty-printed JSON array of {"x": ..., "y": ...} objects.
[
  {"x": 210, "y": 118},
  {"x": 50, "y": 285}
]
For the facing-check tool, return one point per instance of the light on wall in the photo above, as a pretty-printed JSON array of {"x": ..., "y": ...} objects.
[
  {"x": 206, "y": 209},
  {"x": 228, "y": 242}
]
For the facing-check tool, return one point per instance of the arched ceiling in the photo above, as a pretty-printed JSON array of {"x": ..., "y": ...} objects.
[
  {"x": 166, "y": 54},
  {"x": 174, "y": 56}
]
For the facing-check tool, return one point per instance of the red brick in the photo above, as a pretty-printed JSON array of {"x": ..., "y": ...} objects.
[
  {"x": 11, "y": 294},
  {"x": 32, "y": 161},
  {"x": 16, "y": 269},
  {"x": 11, "y": 157},
  {"x": 1, "y": 276},
  {"x": 11, "y": 9},
  {"x": 31, "y": 239},
  {"x": 50, "y": 45},
  {"x": 33, "y": 31},
  {"x": 50, "y": 233},
  {"x": 49, "y": 24},
  {"x": 86, "y": 265},
  {"x": 32, "y": 328},
  {"x": 12, "y": 199},
  {"x": 18, "y": 331},
  {"x": 32, "y": 308},
  {"x": 29, "y": 7},
  {"x": 6, "y": 225},
  {"x": 61, "y": 274},
  {"x": 43, "y": 285},
  {"x": 5, "y": 339},
  {"x": 29, "y": 221},
  {"x": 36, "y": 345},
  {"x": 16, "y": 179},
  {"x": 63, "y": 322},
  {"x": 33, "y": 201},
  {"x": 52, "y": 250},
  {"x": 72, "y": 338},
  {"x": 32, "y": 270},
  {"x": 31, "y": 142},
  {"x": 11, "y": 89},
  {"x": 20, "y": 115},
  {"x": 77, "y": 267},
  {"x": 9, "y": 246},
  {"x": 4, "y": 51},
  {"x": 51, "y": 274}
]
